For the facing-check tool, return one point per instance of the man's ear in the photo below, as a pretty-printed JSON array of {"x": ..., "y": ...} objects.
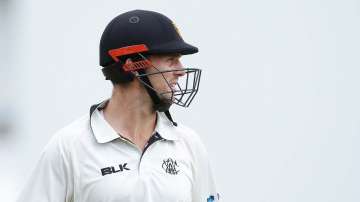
[{"x": 129, "y": 61}]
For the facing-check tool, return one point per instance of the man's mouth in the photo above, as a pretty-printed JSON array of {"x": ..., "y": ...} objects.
[{"x": 173, "y": 85}]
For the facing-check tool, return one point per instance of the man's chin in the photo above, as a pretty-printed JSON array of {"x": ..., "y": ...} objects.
[{"x": 167, "y": 101}]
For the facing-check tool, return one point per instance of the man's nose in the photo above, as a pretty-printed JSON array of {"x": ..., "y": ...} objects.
[{"x": 180, "y": 71}]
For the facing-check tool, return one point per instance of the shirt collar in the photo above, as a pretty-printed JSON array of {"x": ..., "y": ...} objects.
[{"x": 103, "y": 132}]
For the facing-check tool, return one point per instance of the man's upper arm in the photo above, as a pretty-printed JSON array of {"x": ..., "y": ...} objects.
[
  {"x": 204, "y": 188},
  {"x": 51, "y": 179}
]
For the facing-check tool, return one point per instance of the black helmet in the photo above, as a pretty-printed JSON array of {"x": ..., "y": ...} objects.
[
  {"x": 156, "y": 31},
  {"x": 137, "y": 34}
]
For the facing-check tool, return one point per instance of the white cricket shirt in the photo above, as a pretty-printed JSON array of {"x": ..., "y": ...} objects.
[{"x": 88, "y": 161}]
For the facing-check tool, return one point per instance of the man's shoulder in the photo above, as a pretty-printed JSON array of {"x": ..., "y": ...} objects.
[
  {"x": 191, "y": 138},
  {"x": 75, "y": 129},
  {"x": 186, "y": 133},
  {"x": 71, "y": 134}
]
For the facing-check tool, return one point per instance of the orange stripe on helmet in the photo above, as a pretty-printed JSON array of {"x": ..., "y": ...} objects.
[{"x": 115, "y": 53}]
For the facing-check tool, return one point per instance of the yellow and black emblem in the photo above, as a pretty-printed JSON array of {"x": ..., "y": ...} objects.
[{"x": 177, "y": 30}]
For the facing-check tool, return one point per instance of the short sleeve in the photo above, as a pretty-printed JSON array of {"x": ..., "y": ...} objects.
[
  {"x": 204, "y": 188},
  {"x": 50, "y": 181}
]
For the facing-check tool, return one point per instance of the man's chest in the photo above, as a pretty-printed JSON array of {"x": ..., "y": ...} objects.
[{"x": 121, "y": 172}]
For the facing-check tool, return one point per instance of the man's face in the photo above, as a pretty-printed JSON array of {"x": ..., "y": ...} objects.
[{"x": 166, "y": 82}]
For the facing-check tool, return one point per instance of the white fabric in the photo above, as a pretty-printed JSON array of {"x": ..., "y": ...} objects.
[{"x": 69, "y": 169}]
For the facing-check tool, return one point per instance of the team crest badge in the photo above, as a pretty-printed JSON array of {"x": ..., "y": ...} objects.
[{"x": 170, "y": 166}]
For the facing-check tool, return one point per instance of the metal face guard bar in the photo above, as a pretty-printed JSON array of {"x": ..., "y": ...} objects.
[{"x": 185, "y": 89}]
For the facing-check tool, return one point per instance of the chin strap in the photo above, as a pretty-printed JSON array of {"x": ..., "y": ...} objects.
[
  {"x": 168, "y": 115},
  {"x": 158, "y": 104}
]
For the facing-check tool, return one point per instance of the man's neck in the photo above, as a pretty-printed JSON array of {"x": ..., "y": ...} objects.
[{"x": 131, "y": 117}]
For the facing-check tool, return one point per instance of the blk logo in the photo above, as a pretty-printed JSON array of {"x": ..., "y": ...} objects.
[
  {"x": 112, "y": 169},
  {"x": 170, "y": 166}
]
